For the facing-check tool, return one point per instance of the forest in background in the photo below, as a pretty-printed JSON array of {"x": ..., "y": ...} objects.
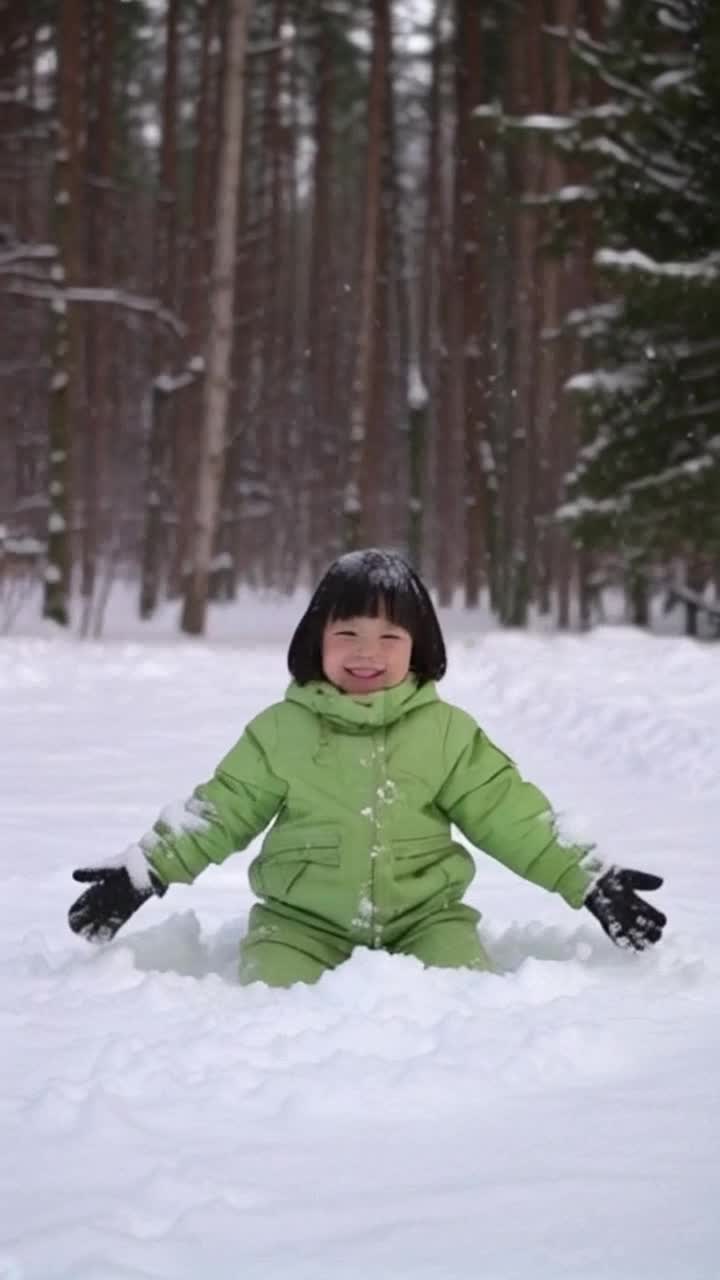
[{"x": 283, "y": 278}]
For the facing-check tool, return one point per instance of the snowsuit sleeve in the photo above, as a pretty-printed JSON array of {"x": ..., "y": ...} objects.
[
  {"x": 508, "y": 818},
  {"x": 223, "y": 815}
]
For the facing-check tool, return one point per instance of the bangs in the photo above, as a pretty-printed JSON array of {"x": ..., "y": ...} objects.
[{"x": 361, "y": 585}]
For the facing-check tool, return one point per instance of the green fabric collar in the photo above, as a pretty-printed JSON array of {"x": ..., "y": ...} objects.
[{"x": 361, "y": 713}]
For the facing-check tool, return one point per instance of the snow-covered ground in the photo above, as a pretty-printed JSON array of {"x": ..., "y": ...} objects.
[{"x": 559, "y": 1119}]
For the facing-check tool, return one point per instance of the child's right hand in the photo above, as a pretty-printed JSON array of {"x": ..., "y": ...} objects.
[{"x": 113, "y": 898}]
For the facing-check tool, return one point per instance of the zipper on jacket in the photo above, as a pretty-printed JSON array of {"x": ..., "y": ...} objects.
[{"x": 378, "y": 849}]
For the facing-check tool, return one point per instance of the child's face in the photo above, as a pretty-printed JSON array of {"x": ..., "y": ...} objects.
[{"x": 361, "y": 655}]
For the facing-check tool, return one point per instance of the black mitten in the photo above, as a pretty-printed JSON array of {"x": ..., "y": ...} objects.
[
  {"x": 627, "y": 919},
  {"x": 109, "y": 903}
]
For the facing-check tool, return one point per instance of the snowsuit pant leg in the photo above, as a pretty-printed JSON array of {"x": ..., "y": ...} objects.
[
  {"x": 445, "y": 939},
  {"x": 281, "y": 949}
]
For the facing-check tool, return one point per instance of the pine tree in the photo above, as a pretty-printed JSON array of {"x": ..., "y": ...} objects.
[{"x": 647, "y": 480}]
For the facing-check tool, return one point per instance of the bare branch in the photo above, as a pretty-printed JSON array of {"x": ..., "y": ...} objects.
[
  {"x": 26, "y": 253},
  {"x": 112, "y": 297}
]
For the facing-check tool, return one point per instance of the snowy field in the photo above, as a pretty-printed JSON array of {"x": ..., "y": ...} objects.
[{"x": 558, "y": 1120}]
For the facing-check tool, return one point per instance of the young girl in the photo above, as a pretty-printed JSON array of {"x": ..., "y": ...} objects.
[{"x": 364, "y": 768}]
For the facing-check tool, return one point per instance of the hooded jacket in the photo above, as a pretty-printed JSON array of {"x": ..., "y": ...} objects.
[{"x": 363, "y": 790}]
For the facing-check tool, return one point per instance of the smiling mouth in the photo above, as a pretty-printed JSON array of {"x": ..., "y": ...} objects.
[{"x": 364, "y": 673}]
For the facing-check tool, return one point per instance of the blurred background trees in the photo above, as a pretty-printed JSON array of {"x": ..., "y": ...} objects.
[{"x": 284, "y": 277}]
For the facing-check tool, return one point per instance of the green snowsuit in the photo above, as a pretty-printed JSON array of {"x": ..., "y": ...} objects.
[{"x": 365, "y": 789}]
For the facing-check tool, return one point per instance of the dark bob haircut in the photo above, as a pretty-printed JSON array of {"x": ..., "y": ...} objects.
[{"x": 364, "y": 584}]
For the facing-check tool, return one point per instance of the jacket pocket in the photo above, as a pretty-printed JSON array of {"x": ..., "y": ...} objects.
[
  {"x": 287, "y": 855},
  {"x": 416, "y": 855},
  {"x": 424, "y": 866}
]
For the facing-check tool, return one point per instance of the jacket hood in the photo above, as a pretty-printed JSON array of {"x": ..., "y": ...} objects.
[{"x": 361, "y": 713}]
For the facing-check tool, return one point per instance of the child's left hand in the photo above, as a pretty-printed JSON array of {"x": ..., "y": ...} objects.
[{"x": 627, "y": 919}]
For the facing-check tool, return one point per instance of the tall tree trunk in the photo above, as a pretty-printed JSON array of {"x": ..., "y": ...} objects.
[
  {"x": 554, "y": 424},
  {"x": 471, "y": 243},
  {"x": 447, "y": 439},
  {"x": 64, "y": 347},
  {"x": 321, "y": 326},
  {"x": 583, "y": 290},
  {"x": 164, "y": 270},
  {"x": 100, "y": 108},
  {"x": 293, "y": 549},
  {"x": 277, "y": 381},
  {"x": 220, "y": 336},
  {"x": 382, "y": 499},
  {"x": 423, "y": 383},
  {"x": 526, "y": 96},
  {"x": 365, "y": 351},
  {"x": 431, "y": 285},
  {"x": 194, "y": 297}
]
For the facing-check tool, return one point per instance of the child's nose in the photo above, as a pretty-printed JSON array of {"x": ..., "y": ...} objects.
[{"x": 365, "y": 649}]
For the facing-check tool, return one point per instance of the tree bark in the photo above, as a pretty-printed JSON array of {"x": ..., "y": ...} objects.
[
  {"x": 321, "y": 327},
  {"x": 164, "y": 271},
  {"x": 64, "y": 352},
  {"x": 355, "y": 514},
  {"x": 220, "y": 336},
  {"x": 194, "y": 303},
  {"x": 553, "y": 416},
  {"x": 525, "y": 90},
  {"x": 99, "y": 105},
  {"x": 582, "y": 291},
  {"x": 471, "y": 241}
]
